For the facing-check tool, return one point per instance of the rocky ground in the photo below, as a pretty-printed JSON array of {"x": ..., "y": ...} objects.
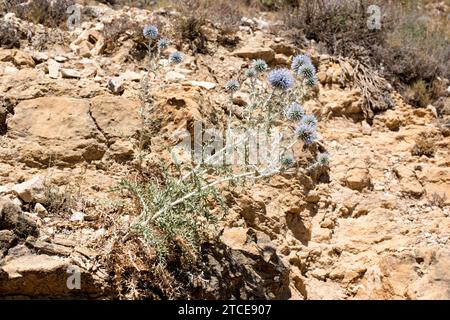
[{"x": 378, "y": 229}]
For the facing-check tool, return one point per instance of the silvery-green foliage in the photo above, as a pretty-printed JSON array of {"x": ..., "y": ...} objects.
[
  {"x": 164, "y": 224},
  {"x": 177, "y": 209}
]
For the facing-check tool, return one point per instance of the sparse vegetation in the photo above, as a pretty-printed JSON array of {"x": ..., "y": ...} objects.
[
  {"x": 10, "y": 35},
  {"x": 46, "y": 12},
  {"x": 190, "y": 26},
  {"x": 411, "y": 50},
  {"x": 438, "y": 200},
  {"x": 121, "y": 29},
  {"x": 424, "y": 146}
]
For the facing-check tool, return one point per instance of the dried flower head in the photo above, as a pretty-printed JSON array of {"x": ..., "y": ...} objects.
[
  {"x": 259, "y": 65},
  {"x": 281, "y": 79},
  {"x": 151, "y": 31},
  {"x": 299, "y": 61},
  {"x": 232, "y": 86},
  {"x": 307, "y": 133},
  {"x": 176, "y": 57},
  {"x": 294, "y": 112}
]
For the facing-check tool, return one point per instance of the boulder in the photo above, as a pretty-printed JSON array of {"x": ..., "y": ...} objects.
[
  {"x": 12, "y": 218},
  {"x": 264, "y": 53},
  {"x": 243, "y": 265},
  {"x": 56, "y": 129},
  {"x": 70, "y": 73},
  {"x": 94, "y": 38},
  {"x": 19, "y": 58},
  {"x": 116, "y": 85},
  {"x": 30, "y": 190},
  {"x": 43, "y": 276},
  {"x": 53, "y": 68}
]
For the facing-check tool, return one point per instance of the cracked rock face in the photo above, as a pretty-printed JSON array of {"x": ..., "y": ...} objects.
[{"x": 55, "y": 127}]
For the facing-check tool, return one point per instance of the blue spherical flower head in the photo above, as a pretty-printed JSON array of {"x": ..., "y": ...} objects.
[
  {"x": 176, "y": 57},
  {"x": 281, "y": 79},
  {"x": 232, "y": 86},
  {"x": 309, "y": 119},
  {"x": 163, "y": 44},
  {"x": 299, "y": 61},
  {"x": 307, "y": 133},
  {"x": 323, "y": 159},
  {"x": 151, "y": 31},
  {"x": 259, "y": 65},
  {"x": 294, "y": 112},
  {"x": 307, "y": 71}
]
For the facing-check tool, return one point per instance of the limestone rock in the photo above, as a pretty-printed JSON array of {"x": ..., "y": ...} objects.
[
  {"x": 19, "y": 58},
  {"x": 116, "y": 85},
  {"x": 241, "y": 98},
  {"x": 408, "y": 181},
  {"x": 40, "y": 210},
  {"x": 70, "y": 73},
  {"x": 58, "y": 128},
  {"x": 115, "y": 116},
  {"x": 358, "y": 179},
  {"x": 12, "y": 218},
  {"x": 30, "y": 190},
  {"x": 264, "y": 53},
  {"x": 53, "y": 69},
  {"x": 77, "y": 216},
  {"x": 202, "y": 84},
  {"x": 43, "y": 276},
  {"x": 173, "y": 76},
  {"x": 93, "y": 37}
]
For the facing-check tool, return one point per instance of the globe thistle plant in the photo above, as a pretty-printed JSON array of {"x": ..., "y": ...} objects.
[
  {"x": 287, "y": 160},
  {"x": 323, "y": 159},
  {"x": 309, "y": 119},
  {"x": 259, "y": 65},
  {"x": 176, "y": 57},
  {"x": 311, "y": 82},
  {"x": 307, "y": 71},
  {"x": 307, "y": 133},
  {"x": 232, "y": 86},
  {"x": 163, "y": 44},
  {"x": 274, "y": 121},
  {"x": 294, "y": 112},
  {"x": 281, "y": 79},
  {"x": 299, "y": 61},
  {"x": 150, "y": 31}
]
